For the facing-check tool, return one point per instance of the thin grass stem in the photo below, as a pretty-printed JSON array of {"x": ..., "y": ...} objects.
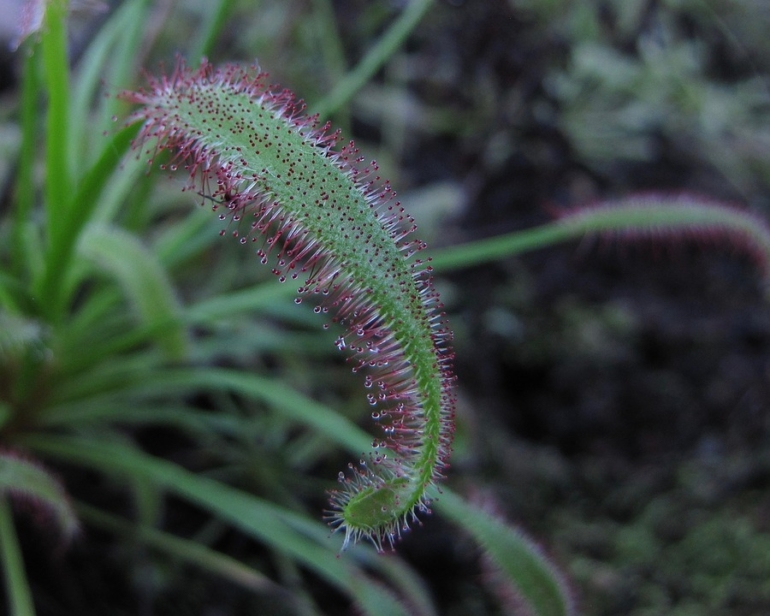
[
  {"x": 494, "y": 248},
  {"x": 81, "y": 205},
  {"x": 25, "y": 187},
  {"x": 56, "y": 78},
  {"x": 378, "y": 55},
  {"x": 183, "y": 549},
  {"x": 16, "y": 585},
  {"x": 211, "y": 31}
]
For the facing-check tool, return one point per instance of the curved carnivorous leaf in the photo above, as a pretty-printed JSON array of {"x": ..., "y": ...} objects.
[{"x": 324, "y": 218}]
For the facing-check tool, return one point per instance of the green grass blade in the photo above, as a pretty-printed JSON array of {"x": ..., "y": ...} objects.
[
  {"x": 121, "y": 197},
  {"x": 140, "y": 380},
  {"x": 130, "y": 413},
  {"x": 333, "y": 54},
  {"x": 516, "y": 555},
  {"x": 58, "y": 179},
  {"x": 279, "y": 395},
  {"x": 329, "y": 39},
  {"x": 406, "y": 579},
  {"x": 14, "y": 296},
  {"x": 527, "y": 567},
  {"x": 86, "y": 81},
  {"x": 247, "y": 300},
  {"x": 59, "y": 257},
  {"x": 25, "y": 183},
  {"x": 378, "y": 55},
  {"x": 16, "y": 585},
  {"x": 104, "y": 332},
  {"x": 96, "y": 65},
  {"x": 124, "y": 60},
  {"x": 143, "y": 280},
  {"x": 258, "y": 518},
  {"x": 93, "y": 182},
  {"x": 183, "y": 549},
  {"x": 212, "y": 28},
  {"x": 187, "y": 238},
  {"x": 499, "y": 247}
]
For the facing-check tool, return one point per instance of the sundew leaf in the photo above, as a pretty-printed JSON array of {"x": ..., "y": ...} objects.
[
  {"x": 517, "y": 559},
  {"x": 324, "y": 218},
  {"x": 656, "y": 217},
  {"x": 675, "y": 217}
]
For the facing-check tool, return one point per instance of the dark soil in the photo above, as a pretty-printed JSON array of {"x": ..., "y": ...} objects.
[{"x": 611, "y": 392}]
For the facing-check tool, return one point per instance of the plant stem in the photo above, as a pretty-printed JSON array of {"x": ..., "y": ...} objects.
[
  {"x": 25, "y": 188},
  {"x": 211, "y": 30},
  {"x": 16, "y": 585},
  {"x": 185, "y": 550},
  {"x": 374, "y": 59},
  {"x": 493, "y": 248}
]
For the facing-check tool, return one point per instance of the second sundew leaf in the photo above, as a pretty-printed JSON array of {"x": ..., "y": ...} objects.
[{"x": 324, "y": 218}]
